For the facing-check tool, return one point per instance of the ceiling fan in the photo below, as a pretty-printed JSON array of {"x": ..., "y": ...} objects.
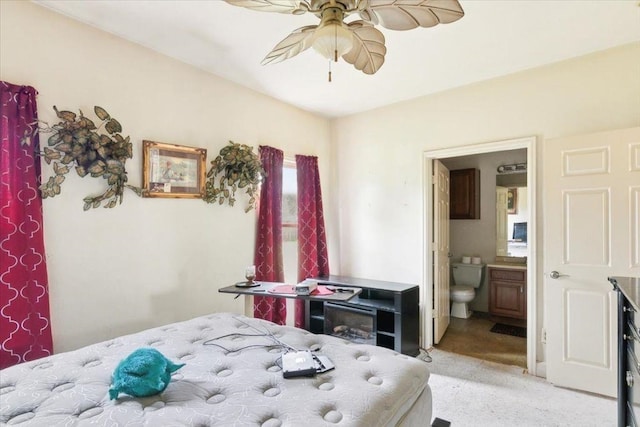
[{"x": 358, "y": 42}]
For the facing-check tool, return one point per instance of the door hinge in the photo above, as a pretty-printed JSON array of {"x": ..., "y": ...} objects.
[
  {"x": 434, "y": 313},
  {"x": 543, "y": 338}
]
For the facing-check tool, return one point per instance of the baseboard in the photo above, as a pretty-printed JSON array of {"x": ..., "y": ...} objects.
[{"x": 541, "y": 370}]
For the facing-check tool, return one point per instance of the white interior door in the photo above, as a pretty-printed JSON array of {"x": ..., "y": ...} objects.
[
  {"x": 441, "y": 266},
  {"x": 591, "y": 212},
  {"x": 501, "y": 221}
]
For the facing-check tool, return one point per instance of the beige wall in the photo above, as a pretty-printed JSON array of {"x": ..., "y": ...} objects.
[
  {"x": 379, "y": 153},
  {"x": 146, "y": 262}
]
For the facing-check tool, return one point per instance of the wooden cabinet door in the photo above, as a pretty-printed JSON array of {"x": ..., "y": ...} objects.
[
  {"x": 508, "y": 299},
  {"x": 508, "y": 292},
  {"x": 465, "y": 194}
]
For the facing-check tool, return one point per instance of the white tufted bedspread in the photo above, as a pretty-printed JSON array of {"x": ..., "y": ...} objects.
[{"x": 370, "y": 386}]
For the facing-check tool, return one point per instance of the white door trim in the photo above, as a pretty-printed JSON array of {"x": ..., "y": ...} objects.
[{"x": 427, "y": 271}]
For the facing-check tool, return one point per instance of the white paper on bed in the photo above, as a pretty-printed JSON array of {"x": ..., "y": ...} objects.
[{"x": 370, "y": 386}]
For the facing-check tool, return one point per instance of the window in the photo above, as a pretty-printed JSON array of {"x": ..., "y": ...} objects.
[{"x": 290, "y": 222}]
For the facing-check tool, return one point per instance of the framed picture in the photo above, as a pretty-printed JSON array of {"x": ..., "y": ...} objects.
[
  {"x": 512, "y": 201},
  {"x": 172, "y": 170}
]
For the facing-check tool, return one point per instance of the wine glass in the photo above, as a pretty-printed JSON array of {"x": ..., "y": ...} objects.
[{"x": 250, "y": 273}]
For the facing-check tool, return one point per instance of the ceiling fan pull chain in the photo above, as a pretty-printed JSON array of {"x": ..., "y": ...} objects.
[{"x": 329, "y": 71}]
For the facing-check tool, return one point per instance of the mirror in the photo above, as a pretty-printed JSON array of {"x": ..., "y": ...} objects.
[{"x": 512, "y": 215}]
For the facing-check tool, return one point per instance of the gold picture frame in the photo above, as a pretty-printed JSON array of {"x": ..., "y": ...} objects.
[
  {"x": 173, "y": 171},
  {"x": 512, "y": 201}
]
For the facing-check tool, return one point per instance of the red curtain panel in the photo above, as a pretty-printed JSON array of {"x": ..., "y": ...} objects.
[
  {"x": 312, "y": 242},
  {"x": 268, "y": 250},
  {"x": 25, "y": 329}
]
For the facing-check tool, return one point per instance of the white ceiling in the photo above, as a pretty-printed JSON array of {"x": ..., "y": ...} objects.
[{"x": 494, "y": 38}]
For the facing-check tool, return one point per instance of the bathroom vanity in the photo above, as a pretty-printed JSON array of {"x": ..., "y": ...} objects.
[{"x": 508, "y": 290}]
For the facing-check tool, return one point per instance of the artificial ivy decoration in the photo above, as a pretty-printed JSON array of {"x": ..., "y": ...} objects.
[
  {"x": 76, "y": 141},
  {"x": 237, "y": 166}
]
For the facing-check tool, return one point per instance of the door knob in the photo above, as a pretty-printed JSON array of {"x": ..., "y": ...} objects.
[{"x": 554, "y": 275}]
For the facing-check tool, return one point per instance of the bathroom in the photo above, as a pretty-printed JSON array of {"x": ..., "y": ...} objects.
[{"x": 486, "y": 245}]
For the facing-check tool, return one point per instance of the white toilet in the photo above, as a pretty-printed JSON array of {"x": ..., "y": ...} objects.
[{"x": 466, "y": 278}]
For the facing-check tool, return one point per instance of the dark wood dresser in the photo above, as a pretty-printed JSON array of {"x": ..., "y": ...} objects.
[{"x": 628, "y": 289}]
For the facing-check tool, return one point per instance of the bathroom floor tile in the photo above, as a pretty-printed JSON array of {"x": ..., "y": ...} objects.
[{"x": 473, "y": 337}]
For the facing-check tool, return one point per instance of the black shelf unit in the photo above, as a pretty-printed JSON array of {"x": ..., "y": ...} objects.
[{"x": 396, "y": 307}]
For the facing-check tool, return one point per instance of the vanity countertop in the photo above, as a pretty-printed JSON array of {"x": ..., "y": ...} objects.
[{"x": 508, "y": 265}]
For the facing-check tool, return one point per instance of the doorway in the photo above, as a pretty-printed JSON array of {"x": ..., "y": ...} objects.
[{"x": 429, "y": 292}]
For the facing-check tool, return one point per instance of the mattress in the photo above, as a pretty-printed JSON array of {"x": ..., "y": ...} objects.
[{"x": 232, "y": 377}]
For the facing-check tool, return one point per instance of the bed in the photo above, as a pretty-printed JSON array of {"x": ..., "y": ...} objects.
[{"x": 232, "y": 377}]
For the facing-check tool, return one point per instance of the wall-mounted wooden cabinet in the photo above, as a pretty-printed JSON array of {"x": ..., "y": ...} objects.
[{"x": 464, "y": 194}]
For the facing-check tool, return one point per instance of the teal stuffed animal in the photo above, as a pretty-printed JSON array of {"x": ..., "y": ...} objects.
[{"x": 144, "y": 372}]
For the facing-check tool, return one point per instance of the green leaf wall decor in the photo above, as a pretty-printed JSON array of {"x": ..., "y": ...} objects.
[
  {"x": 237, "y": 166},
  {"x": 76, "y": 142}
]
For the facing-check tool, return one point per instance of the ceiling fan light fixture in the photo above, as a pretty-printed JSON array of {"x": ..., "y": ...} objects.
[
  {"x": 357, "y": 42},
  {"x": 332, "y": 41}
]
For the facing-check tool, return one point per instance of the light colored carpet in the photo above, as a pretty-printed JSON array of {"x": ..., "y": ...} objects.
[{"x": 476, "y": 393}]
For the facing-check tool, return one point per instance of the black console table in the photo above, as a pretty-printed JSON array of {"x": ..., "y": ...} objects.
[
  {"x": 628, "y": 289},
  {"x": 393, "y": 306}
]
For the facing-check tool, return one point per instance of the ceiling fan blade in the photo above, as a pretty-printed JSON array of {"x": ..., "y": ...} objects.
[
  {"x": 368, "y": 15},
  {"x": 368, "y": 51},
  {"x": 409, "y": 14},
  {"x": 365, "y": 12},
  {"x": 295, "y": 7},
  {"x": 298, "y": 41}
]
